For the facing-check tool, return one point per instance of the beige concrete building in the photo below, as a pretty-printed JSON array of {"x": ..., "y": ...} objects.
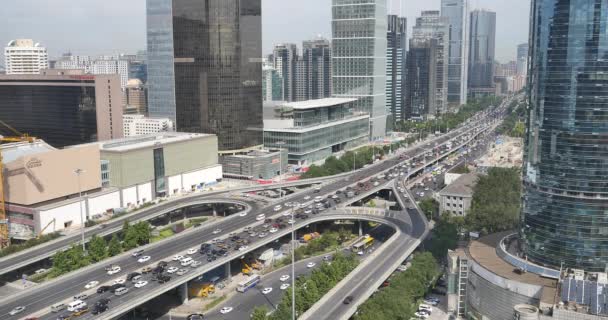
[
  {"x": 456, "y": 198},
  {"x": 136, "y": 97}
]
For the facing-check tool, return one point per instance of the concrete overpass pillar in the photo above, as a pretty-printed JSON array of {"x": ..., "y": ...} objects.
[
  {"x": 227, "y": 271},
  {"x": 182, "y": 292},
  {"x": 360, "y": 228}
]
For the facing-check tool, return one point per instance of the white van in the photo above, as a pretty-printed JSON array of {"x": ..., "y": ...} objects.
[
  {"x": 75, "y": 305},
  {"x": 120, "y": 291},
  {"x": 260, "y": 217},
  {"x": 277, "y": 207},
  {"x": 57, "y": 307},
  {"x": 186, "y": 261}
]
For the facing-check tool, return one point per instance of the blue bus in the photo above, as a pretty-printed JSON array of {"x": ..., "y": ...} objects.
[{"x": 249, "y": 283}]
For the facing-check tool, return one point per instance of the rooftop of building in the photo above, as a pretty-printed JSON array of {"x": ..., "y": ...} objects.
[
  {"x": 23, "y": 43},
  {"x": 147, "y": 141},
  {"x": 483, "y": 251},
  {"x": 462, "y": 186},
  {"x": 257, "y": 153},
  {"x": 317, "y": 103},
  {"x": 13, "y": 151}
]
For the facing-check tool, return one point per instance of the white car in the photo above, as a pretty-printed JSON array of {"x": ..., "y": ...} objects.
[
  {"x": 310, "y": 265},
  {"x": 216, "y": 231},
  {"x": 17, "y": 310},
  {"x": 267, "y": 290},
  {"x": 172, "y": 269},
  {"x": 284, "y": 278},
  {"x": 191, "y": 251},
  {"x": 91, "y": 284},
  {"x": 421, "y": 315},
  {"x": 242, "y": 214},
  {"x": 360, "y": 253},
  {"x": 120, "y": 281},
  {"x": 114, "y": 270},
  {"x": 262, "y": 234},
  {"x": 284, "y": 286},
  {"x": 178, "y": 257},
  {"x": 225, "y": 310},
  {"x": 273, "y": 230},
  {"x": 260, "y": 217},
  {"x": 143, "y": 259},
  {"x": 243, "y": 248},
  {"x": 286, "y": 213},
  {"x": 140, "y": 284},
  {"x": 278, "y": 207},
  {"x": 307, "y": 211},
  {"x": 291, "y": 221},
  {"x": 195, "y": 264},
  {"x": 307, "y": 198}
]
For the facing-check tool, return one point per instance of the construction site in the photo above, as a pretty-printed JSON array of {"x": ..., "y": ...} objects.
[{"x": 505, "y": 152}]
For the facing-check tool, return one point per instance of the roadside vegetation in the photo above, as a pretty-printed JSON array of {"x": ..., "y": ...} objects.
[
  {"x": 98, "y": 249},
  {"x": 401, "y": 298},
  {"x": 430, "y": 207},
  {"x": 29, "y": 244},
  {"x": 328, "y": 242},
  {"x": 312, "y": 288},
  {"x": 514, "y": 125}
]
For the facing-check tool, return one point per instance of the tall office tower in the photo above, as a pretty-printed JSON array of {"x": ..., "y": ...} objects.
[
  {"x": 566, "y": 152},
  {"x": 482, "y": 46},
  {"x": 63, "y": 107},
  {"x": 522, "y": 59},
  {"x": 421, "y": 78},
  {"x": 285, "y": 59},
  {"x": 431, "y": 25},
  {"x": 359, "y": 57},
  {"x": 23, "y": 56},
  {"x": 272, "y": 84},
  {"x": 316, "y": 55},
  {"x": 457, "y": 13},
  {"x": 205, "y": 70},
  {"x": 396, "y": 51}
]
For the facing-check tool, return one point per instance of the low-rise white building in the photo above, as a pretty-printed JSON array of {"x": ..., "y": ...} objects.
[
  {"x": 456, "y": 198},
  {"x": 139, "y": 125}
]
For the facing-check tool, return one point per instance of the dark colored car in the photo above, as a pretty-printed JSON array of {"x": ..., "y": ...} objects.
[
  {"x": 103, "y": 289},
  {"x": 132, "y": 275},
  {"x": 196, "y": 316},
  {"x": 97, "y": 309},
  {"x": 163, "y": 278},
  {"x": 348, "y": 300},
  {"x": 103, "y": 301}
]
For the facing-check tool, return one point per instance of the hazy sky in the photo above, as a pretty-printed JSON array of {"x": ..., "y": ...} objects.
[{"x": 112, "y": 26}]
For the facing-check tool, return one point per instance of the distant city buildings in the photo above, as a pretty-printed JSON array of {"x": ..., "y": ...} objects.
[
  {"x": 396, "y": 53},
  {"x": 23, "y": 56},
  {"x": 522, "y": 59},
  {"x": 482, "y": 51},
  {"x": 272, "y": 84},
  {"x": 136, "y": 100},
  {"x": 359, "y": 58},
  {"x": 457, "y": 13},
  {"x": 63, "y": 107},
  {"x": 205, "y": 69},
  {"x": 138, "y": 125},
  {"x": 427, "y": 67},
  {"x": 285, "y": 59},
  {"x": 98, "y": 65}
]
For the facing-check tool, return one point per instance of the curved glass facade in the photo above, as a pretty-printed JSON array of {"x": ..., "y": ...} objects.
[{"x": 565, "y": 208}]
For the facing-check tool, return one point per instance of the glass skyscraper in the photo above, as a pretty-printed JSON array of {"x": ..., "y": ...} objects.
[
  {"x": 565, "y": 220},
  {"x": 457, "y": 13},
  {"x": 359, "y": 57},
  {"x": 396, "y": 53},
  {"x": 205, "y": 68},
  {"x": 482, "y": 49}
]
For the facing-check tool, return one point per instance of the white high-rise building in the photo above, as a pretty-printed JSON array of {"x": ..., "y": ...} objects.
[
  {"x": 23, "y": 56},
  {"x": 138, "y": 125},
  {"x": 100, "y": 65}
]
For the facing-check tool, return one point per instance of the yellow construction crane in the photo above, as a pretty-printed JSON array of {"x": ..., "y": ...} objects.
[{"x": 20, "y": 137}]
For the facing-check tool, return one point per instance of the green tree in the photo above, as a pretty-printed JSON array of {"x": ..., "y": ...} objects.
[
  {"x": 69, "y": 260},
  {"x": 97, "y": 248},
  {"x": 114, "y": 247},
  {"x": 445, "y": 236},
  {"x": 430, "y": 207},
  {"x": 259, "y": 313}
]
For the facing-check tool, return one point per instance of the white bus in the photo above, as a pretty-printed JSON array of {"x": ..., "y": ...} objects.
[{"x": 249, "y": 283}]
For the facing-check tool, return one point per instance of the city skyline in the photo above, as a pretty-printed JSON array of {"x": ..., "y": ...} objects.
[{"x": 124, "y": 29}]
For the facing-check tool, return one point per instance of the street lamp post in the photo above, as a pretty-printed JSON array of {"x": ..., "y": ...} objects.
[
  {"x": 78, "y": 172},
  {"x": 293, "y": 265}
]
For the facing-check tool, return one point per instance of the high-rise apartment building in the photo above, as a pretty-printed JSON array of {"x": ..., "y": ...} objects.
[
  {"x": 396, "y": 52},
  {"x": 63, "y": 107},
  {"x": 482, "y": 49},
  {"x": 359, "y": 57},
  {"x": 427, "y": 71},
  {"x": 205, "y": 68},
  {"x": 564, "y": 222},
  {"x": 285, "y": 61},
  {"x": 316, "y": 55},
  {"x": 522, "y": 59},
  {"x": 457, "y": 13},
  {"x": 99, "y": 65},
  {"x": 23, "y": 56},
  {"x": 272, "y": 84}
]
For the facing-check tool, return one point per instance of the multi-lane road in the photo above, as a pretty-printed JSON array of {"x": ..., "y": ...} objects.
[{"x": 63, "y": 288}]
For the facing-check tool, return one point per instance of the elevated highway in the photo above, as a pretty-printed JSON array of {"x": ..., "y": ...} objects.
[{"x": 37, "y": 299}]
